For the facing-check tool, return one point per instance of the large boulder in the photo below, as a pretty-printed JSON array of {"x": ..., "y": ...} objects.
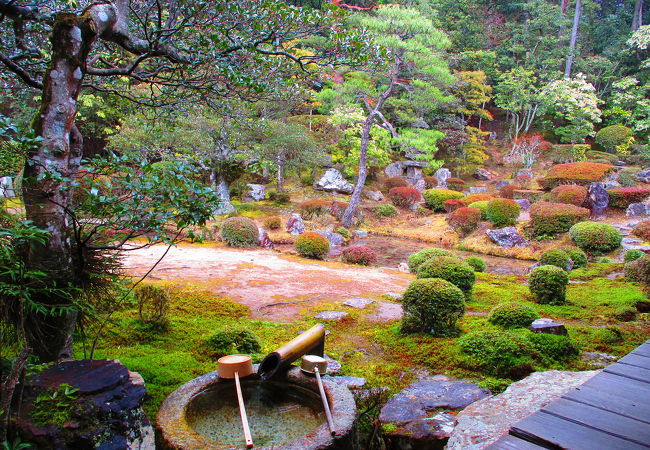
[
  {"x": 333, "y": 181},
  {"x": 422, "y": 416},
  {"x": 104, "y": 412},
  {"x": 264, "y": 240},
  {"x": 7, "y": 188},
  {"x": 395, "y": 169},
  {"x": 335, "y": 239},
  {"x": 638, "y": 210},
  {"x": 295, "y": 225},
  {"x": 507, "y": 237},
  {"x": 597, "y": 199},
  {"x": 442, "y": 175},
  {"x": 255, "y": 193},
  {"x": 523, "y": 203},
  {"x": 643, "y": 176}
]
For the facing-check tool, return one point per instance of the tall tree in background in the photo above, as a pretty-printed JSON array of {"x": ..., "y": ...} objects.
[
  {"x": 637, "y": 18},
  {"x": 574, "y": 37}
]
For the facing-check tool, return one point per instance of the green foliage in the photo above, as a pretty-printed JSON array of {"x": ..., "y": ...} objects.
[
  {"x": 625, "y": 313},
  {"x": 498, "y": 353},
  {"x": 153, "y": 303},
  {"x": 481, "y": 206},
  {"x": 281, "y": 198},
  {"x": 633, "y": 255},
  {"x": 512, "y": 315},
  {"x": 273, "y": 223},
  {"x": 473, "y": 152},
  {"x": 556, "y": 257},
  {"x": 343, "y": 232},
  {"x": 613, "y": 136},
  {"x": 312, "y": 245},
  {"x": 639, "y": 270},
  {"x": 476, "y": 263},
  {"x": 450, "y": 269},
  {"x": 548, "y": 285},
  {"x": 553, "y": 348},
  {"x": 596, "y": 237},
  {"x": 14, "y": 145},
  {"x": 502, "y": 212},
  {"x": 517, "y": 93},
  {"x": 385, "y": 210},
  {"x": 416, "y": 259},
  {"x": 549, "y": 219},
  {"x": 240, "y": 232},
  {"x": 16, "y": 444},
  {"x": 432, "y": 306},
  {"x": 56, "y": 406},
  {"x": 232, "y": 340},
  {"x": 578, "y": 257},
  {"x": 435, "y": 198}
]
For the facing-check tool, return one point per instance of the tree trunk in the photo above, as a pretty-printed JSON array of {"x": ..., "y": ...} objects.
[
  {"x": 280, "y": 177},
  {"x": 637, "y": 19},
  {"x": 574, "y": 37},
  {"x": 222, "y": 187}
]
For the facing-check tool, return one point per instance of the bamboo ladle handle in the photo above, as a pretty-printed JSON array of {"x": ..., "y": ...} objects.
[
  {"x": 242, "y": 413},
  {"x": 328, "y": 413}
]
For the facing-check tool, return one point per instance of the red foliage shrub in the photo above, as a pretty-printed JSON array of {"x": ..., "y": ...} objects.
[
  {"x": 582, "y": 173},
  {"x": 642, "y": 230},
  {"x": 359, "y": 254},
  {"x": 453, "y": 204},
  {"x": 430, "y": 182},
  {"x": 464, "y": 220},
  {"x": 569, "y": 193},
  {"x": 455, "y": 184},
  {"x": 404, "y": 196},
  {"x": 548, "y": 219},
  {"x": 623, "y": 197},
  {"x": 393, "y": 182},
  {"x": 507, "y": 191},
  {"x": 473, "y": 198}
]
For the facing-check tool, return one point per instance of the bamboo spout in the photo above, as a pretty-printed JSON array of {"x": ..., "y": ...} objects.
[{"x": 310, "y": 342}]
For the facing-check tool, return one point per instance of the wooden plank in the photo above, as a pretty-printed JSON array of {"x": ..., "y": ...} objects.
[
  {"x": 643, "y": 349},
  {"x": 635, "y": 360},
  {"x": 551, "y": 431},
  {"x": 619, "y": 385},
  {"x": 512, "y": 443},
  {"x": 605, "y": 421},
  {"x": 630, "y": 404},
  {"x": 635, "y": 373}
]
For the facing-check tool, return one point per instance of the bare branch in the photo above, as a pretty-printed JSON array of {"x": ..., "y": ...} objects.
[{"x": 20, "y": 72}]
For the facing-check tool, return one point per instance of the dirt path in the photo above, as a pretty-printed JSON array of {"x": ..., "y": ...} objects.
[{"x": 274, "y": 286}]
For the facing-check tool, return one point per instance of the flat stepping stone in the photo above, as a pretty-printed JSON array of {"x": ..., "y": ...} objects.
[
  {"x": 548, "y": 326},
  {"x": 386, "y": 311},
  {"x": 349, "y": 382},
  {"x": 358, "y": 302},
  {"x": 333, "y": 366},
  {"x": 331, "y": 315}
]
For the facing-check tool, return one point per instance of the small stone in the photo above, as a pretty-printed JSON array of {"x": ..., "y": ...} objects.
[
  {"x": 442, "y": 175},
  {"x": 333, "y": 181},
  {"x": 638, "y": 210},
  {"x": 333, "y": 366},
  {"x": 358, "y": 302},
  {"x": 548, "y": 326},
  {"x": 334, "y": 239},
  {"x": 375, "y": 196},
  {"x": 394, "y": 295},
  {"x": 403, "y": 267},
  {"x": 264, "y": 240},
  {"x": 598, "y": 360},
  {"x": 331, "y": 315},
  {"x": 360, "y": 233},
  {"x": 349, "y": 382},
  {"x": 477, "y": 189},
  {"x": 295, "y": 225},
  {"x": 523, "y": 203},
  {"x": 501, "y": 184},
  {"x": 507, "y": 237},
  {"x": 482, "y": 174},
  {"x": 256, "y": 193},
  {"x": 643, "y": 176}
]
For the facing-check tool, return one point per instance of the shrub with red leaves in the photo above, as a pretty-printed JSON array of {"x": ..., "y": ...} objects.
[
  {"x": 569, "y": 193},
  {"x": 453, "y": 204},
  {"x": 642, "y": 230},
  {"x": 625, "y": 196},
  {"x": 582, "y": 173},
  {"x": 359, "y": 254},
  {"x": 455, "y": 184},
  {"x": 549, "y": 219},
  {"x": 473, "y": 198},
  {"x": 393, "y": 182},
  {"x": 464, "y": 220},
  {"x": 507, "y": 191},
  {"x": 430, "y": 182},
  {"x": 404, "y": 197}
]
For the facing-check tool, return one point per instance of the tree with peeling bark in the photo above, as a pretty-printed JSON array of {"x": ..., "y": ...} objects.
[{"x": 183, "y": 50}]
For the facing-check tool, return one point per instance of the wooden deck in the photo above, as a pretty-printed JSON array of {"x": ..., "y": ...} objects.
[{"x": 609, "y": 411}]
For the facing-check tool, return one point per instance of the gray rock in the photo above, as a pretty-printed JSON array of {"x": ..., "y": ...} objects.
[
  {"x": 295, "y": 225},
  {"x": 611, "y": 184},
  {"x": 525, "y": 173},
  {"x": 333, "y": 366},
  {"x": 224, "y": 208},
  {"x": 598, "y": 360},
  {"x": 638, "y": 210},
  {"x": 442, "y": 175},
  {"x": 375, "y": 196},
  {"x": 420, "y": 123},
  {"x": 7, "y": 188},
  {"x": 501, "y": 184},
  {"x": 333, "y": 181},
  {"x": 256, "y": 193},
  {"x": 403, "y": 267},
  {"x": 485, "y": 421},
  {"x": 597, "y": 199},
  {"x": 420, "y": 185},
  {"x": 482, "y": 174},
  {"x": 264, "y": 240},
  {"x": 360, "y": 233},
  {"x": 394, "y": 295},
  {"x": 523, "y": 203},
  {"x": 421, "y": 414},
  {"x": 349, "y": 382},
  {"x": 507, "y": 237},
  {"x": 335, "y": 239},
  {"x": 358, "y": 302},
  {"x": 548, "y": 326},
  {"x": 395, "y": 169},
  {"x": 331, "y": 315},
  {"x": 643, "y": 176},
  {"x": 477, "y": 189}
]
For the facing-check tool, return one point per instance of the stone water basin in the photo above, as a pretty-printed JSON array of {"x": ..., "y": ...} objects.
[{"x": 284, "y": 413}]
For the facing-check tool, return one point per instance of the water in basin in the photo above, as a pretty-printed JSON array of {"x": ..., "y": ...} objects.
[{"x": 278, "y": 413}]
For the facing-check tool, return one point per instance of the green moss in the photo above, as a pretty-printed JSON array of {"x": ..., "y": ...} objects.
[{"x": 55, "y": 406}]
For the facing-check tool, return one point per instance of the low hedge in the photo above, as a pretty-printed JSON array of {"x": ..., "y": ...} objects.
[
  {"x": 633, "y": 255},
  {"x": 472, "y": 198},
  {"x": 610, "y": 137},
  {"x": 596, "y": 237},
  {"x": 464, "y": 220},
  {"x": 639, "y": 270},
  {"x": 393, "y": 182},
  {"x": 451, "y": 269},
  {"x": 240, "y": 232},
  {"x": 578, "y": 256},
  {"x": 476, "y": 263},
  {"x": 435, "y": 198},
  {"x": 512, "y": 315},
  {"x": 548, "y": 219},
  {"x": 498, "y": 353},
  {"x": 404, "y": 196},
  {"x": 385, "y": 210},
  {"x": 625, "y": 196},
  {"x": 548, "y": 285},
  {"x": 416, "y": 259},
  {"x": 481, "y": 206},
  {"x": 507, "y": 191},
  {"x": 502, "y": 212},
  {"x": 571, "y": 194},
  {"x": 312, "y": 245},
  {"x": 642, "y": 230},
  {"x": 359, "y": 254},
  {"x": 582, "y": 173},
  {"x": 453, "y": 204},
  {"x": 273, "y": 223},
  {"x": 455, "y": 184}
]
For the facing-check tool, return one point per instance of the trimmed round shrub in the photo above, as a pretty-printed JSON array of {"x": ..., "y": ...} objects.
[
  {"x": 627, "y": 176},
  {"x": 455, "y": 184},
  {"x": 476, "y": 263},
  {"x": 311, "y": 209},
  {"x": 230, "y": 341},
  {"x": 464, "y": 220},
  {"x": 430, "y": 182},
  {"x": 394, "y": 182},
  {"x": 512, "y": 315},
  {"x": 596, "y": 237},
  {"x": 571, "y": 194},
  {"x": 502, "y": 212},
  {"x": 453, "y": 204},
  {"x": 273, "y": 223},
  {"x": 578, "y": 257},
  {"x": 312, "y": 245},
  {"x": 433, "y": 306},
  {"x": 498, "y": 353},
  {"x": 481, "y": 206},
  {"x": 633, "y": 255},
  {"x": 450, "y": 269},
  {"x": 639, "y": 270},
  {"x": 385, "y": 210},
  {"x": 404, "y": 196},
  {"x": 416, "y": 259},
  {"x": 281, "y": 198},
  {"x": 507, "y": 191},
  {"x": 610, "y": 137},
  {"x": 239, "y": 232},
  {"x": 435, "y": 198},
  {"x": 548, "y": 285},
  {"x": 549, "y": 219},
  {"x": 556, "y": 257},
  {"x": 642, "y": 230},
  {"x": 481, "y": 197},
  {"x": 625, "y": 196},
  {"x": 582, "y": 173},
  {"x": 553, "y": 348},
  {"x": 359, "y": 254}
]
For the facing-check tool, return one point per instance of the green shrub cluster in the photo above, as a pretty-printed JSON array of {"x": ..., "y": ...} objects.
[
  {"x": 610, "y": 137},
  {"x": 281, "y": 198},
  {"x": 556, "y": 257},
  {"x": 385, "y": 210},
  {"x": 239, "y": 232},
  {"x": 596, "y": 237},
  {"x": 273, "y": 223},
  {"x": 548, "y": 285},
  {"x": 343, "y": 232},
  {"x": 416, "y": 259},
  {"x": 633, "y": 255},
  {"x": 502, "y": 212},
  {"x": 583, "y": 173},
  {"x": 549, "y": 219},
  {"x": 435, "y": 198},
  {"x": 476, "y": 263},
  {"x": 625, "y": 313},
  {"x": 553, "y": 348},
  {"x": 578, "y": 257},
  {"x": 153, "y": 304},
  {"x": 512, "y": 315},
  {"x": 450, "y": 269},
  {"x": 639, "y": 270},
  {"x": 432, "y": 305},
  {"x": 312, "y": 245},
  {"x": 625, "y": 196},
  {"x": 642, "y": 230},
  {"x": 464, "y": 220},
  {"x": 231, "y": 341},
  {"x": 481, "y": 206}
]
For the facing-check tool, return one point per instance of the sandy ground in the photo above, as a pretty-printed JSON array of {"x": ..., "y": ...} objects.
[{"x": 273, "y": 285}]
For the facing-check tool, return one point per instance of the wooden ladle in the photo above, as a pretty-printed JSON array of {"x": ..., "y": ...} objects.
[
  {"x": 316, "y": 365},
  {"x": 235, "y": 366}
]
